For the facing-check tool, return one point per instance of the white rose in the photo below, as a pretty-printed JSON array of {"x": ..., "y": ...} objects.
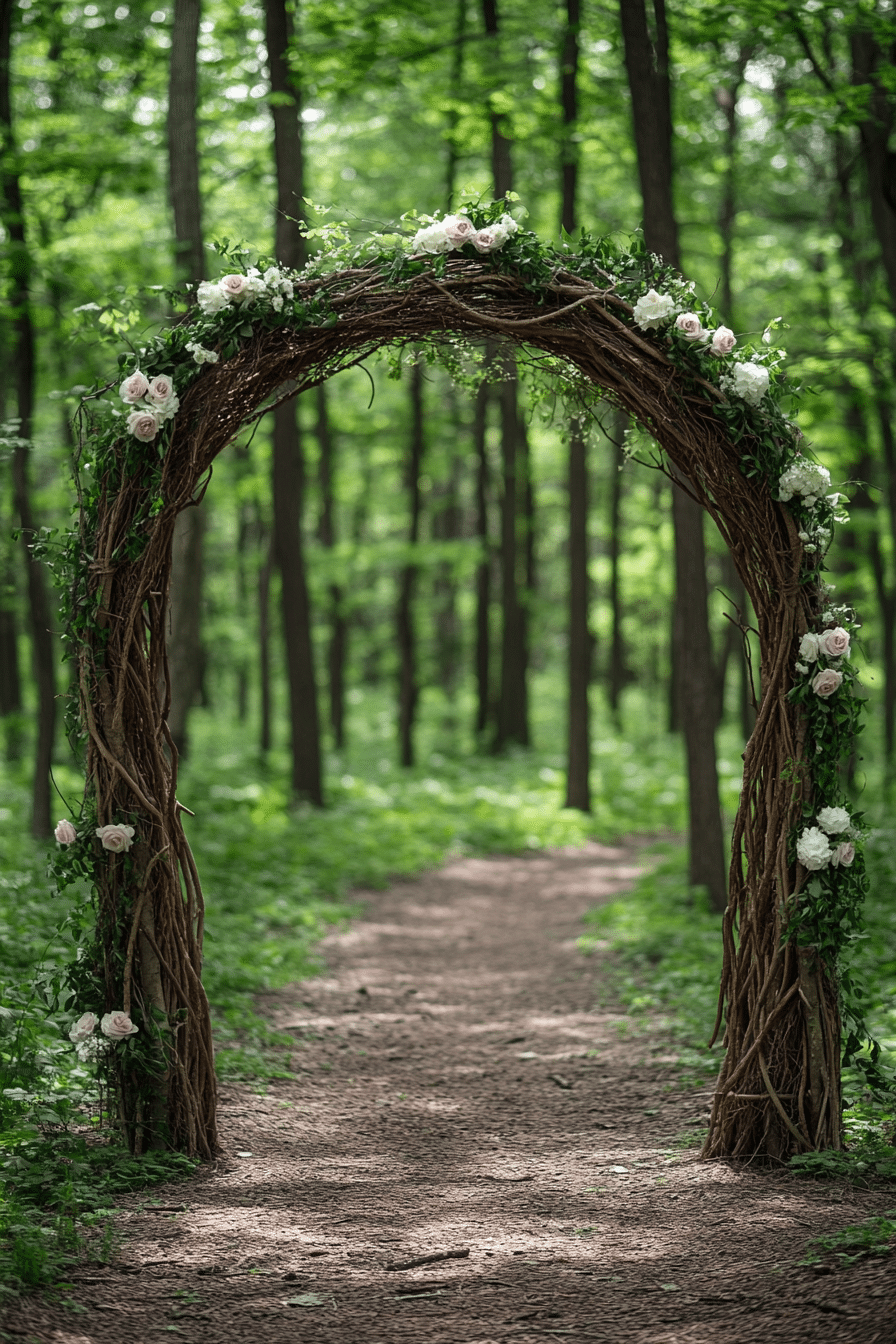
[
  {"x": 690, "y": 326},
  {"x": 486, "y": 240},
  {"x": 833, "y": 820},
  {"x": 144, "y": 425},
  {"x": 813, "y": 849},
  {"x": 809, "y": 648},
  {"x": 723, "y": 341},
  {"x": 834, "y": 643},
  {"x": 432, "y": 238},
  {"x": 84, "y": 1027},
  {"x": 750, "y": 382},
  {"x": 210, "y": 298},
  {"x": 117, "y": 1026},
  {"x": 652, "y": 309},
  {"x": 843, "y": 855},
  {"x": 135, "y": 388},
  {"x": 116, "y": 838},
  {"x": 65, "y": 833}
]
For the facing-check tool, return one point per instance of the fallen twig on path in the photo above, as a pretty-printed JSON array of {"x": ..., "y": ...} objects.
[{"x": 429, "y": 1259}]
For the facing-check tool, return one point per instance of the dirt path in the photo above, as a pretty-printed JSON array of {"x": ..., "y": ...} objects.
[{"x": 459, "y": 1088}]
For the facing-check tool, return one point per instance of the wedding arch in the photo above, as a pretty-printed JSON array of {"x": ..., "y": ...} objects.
[{"x": 608, "y": 318}]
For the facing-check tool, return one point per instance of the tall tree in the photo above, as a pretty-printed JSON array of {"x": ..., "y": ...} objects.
[
  {"x": 513, "y": 704},
  {"x": 578, "y": 733},
  {"x": 288, "y": 462},
  {"x": 408, "y": 689},
  {"x": 19, "y": 278},
  {"x": 647, "y": 66},
  {"x": 484, "y": 565},
  {"x": 337, "y": 650},
  {"x": 185, "y": 606}
]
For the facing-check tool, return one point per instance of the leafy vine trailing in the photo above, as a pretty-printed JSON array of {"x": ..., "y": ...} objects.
[{"x": 129, "y": 434}]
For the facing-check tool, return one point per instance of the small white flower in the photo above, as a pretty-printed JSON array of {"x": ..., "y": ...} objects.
[
  {"x": 432, "y": 238},
  {"x": 833, "y": 820},
  {"x": 809, "y": 648},
  {"x": 210, "y": 298},
  {"x": 117, "y": 839},
  {"x": 843, "y": 855},
  {"x": 652, "y": 309},
  {"x": 65, "y": 833},
  {"x": 200, "y": 354},
  {"x": 723, "y": 341},
  {"x": 117, "y": 1026},
  {"x": 802, "y": 669},
  {"x": 813, "y": 849},
  {"x": 134, "y": 388},
  {"x": 690, "y": 326},
  {"x": 144, "y": 425},
  {"x": 804, "y": 478},
  {"x": 749, "y": 382}
]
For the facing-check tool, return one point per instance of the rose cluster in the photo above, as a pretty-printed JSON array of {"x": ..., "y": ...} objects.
[
  {"x": 273, "y": 286},
  {"x": 117, "y": 839},
  {"x": 452, "y": 232},
  {"x": 831, "y": 645},
  {"x": 747, "y": 380},
  {"x": 820, "y": 846},
  {"x": 154, "y": 401},
  {"x": 116, "y": 1026}
]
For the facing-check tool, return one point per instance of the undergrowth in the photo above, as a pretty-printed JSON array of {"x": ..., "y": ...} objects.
[{"x": 667, "y": 946}]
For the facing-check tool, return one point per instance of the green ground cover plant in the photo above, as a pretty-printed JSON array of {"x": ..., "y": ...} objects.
[{"x": 668, "y": 959}]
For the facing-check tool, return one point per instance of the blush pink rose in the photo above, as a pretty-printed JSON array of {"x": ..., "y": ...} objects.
[
  {"x": 83, "y": 1028},
  {"x": 458, "y": 229},
  {"x": 723, "y": 341},
  {"x": 117, "y": 1026},
  {"x": 843, "y": 855},
  {"x": 118, "y": 839},
  {"x": 161, "y": 389},
  {"x": 65, "y": 833},
  {"x": 690, "y": 326},
  {"x": 827, "y": 682},
  {"x": 234, "y": 286},
  {"x": 135, "y": 388},
  {"x": 144, "y": 425},
  {"x": 834, "y": 643},
  {"x": 485, "y": 240}
]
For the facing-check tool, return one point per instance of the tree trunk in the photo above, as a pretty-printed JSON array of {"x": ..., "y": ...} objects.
[
  {"x": 185, "y": 654},
  {"x": 185, "y": 608},
  {"x": 337, "y": 650},
  {"x": 23, "y": 374},
  {"x": 513, "y": 712},
  {"x": 578, "y": 737},
  {"x": 619, "y": 675},
  {"x": 875, "y": 134},
  {"x": 513, "y": 708},
  {"x": 264, "y": 647},
  {"x": 288, "y": 465},
  {"x": 408, "y": 689},
  {"x": 647, "y": 64},
  {"x": 483, "y": 569},
  {"x": 578, "y": 768}
]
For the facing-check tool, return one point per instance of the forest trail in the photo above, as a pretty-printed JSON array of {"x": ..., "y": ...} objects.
[{"x": 468, "y": 1089}]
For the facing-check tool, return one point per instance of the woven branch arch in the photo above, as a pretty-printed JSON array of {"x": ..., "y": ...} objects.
[{"x": 778, "y": 1090}]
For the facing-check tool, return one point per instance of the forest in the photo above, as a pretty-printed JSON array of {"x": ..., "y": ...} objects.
[{"x": 448, "y": 594}]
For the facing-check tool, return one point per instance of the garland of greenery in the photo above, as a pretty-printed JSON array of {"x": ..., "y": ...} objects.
[{"x": 598, "y": 318}]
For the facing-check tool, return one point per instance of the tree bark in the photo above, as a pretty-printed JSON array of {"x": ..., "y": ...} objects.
[
  {"x": 337, "y": 650},
  {"x": 513, "y": 707},
  {"x": 264, "y": 648},
  {"x": 408, "y": 689},
  {"x": 647, "y": 64},
  {"x": 876, "y": 132},
  {"x": 483, "y": 569},
  {"x": 23, "y": 378},
  {"x": 288, "y": 463},
  {"x": 578, "y": 734},
  {"x": 185, "y": 654},
  {"x": 619, "y": 675}
]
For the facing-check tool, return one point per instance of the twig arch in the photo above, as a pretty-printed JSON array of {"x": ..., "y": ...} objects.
[{"x": 778, "y": 1090}]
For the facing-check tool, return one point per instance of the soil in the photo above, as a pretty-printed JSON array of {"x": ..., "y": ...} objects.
[{"x": 466, "y": 1095}]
